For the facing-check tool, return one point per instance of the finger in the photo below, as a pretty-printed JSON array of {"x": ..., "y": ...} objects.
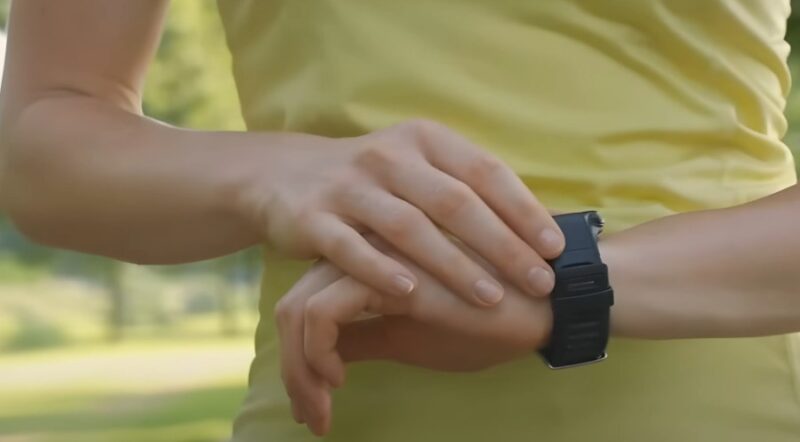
[
  {"x": 414, "y": 234},
  {"x": 497, "y": 184},
  {"x": 319, "y": 416},
  {"x": 456, "y": 207},
  {"x": 519, "y": 321},
  {"x": 297, "y": 413},
  {"x": 326, "y": 311},
  {"x": 307, "y": 391},
  {"x": 348, "y": 250}
]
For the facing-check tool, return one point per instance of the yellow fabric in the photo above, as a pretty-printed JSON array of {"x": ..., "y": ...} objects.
[{"x": 638, "y": 108}]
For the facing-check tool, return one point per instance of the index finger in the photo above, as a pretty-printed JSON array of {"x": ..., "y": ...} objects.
[
  {"x": 340, "y": 303},
  {"x": 325, "y": 311},
  {"x": 307, "y": 391}
]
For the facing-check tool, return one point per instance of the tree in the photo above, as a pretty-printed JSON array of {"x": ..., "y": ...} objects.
[
  {"x": 189, "y": 85},
  {"x": 4, "y": 4},
  {"x": 190, "y": 82}
]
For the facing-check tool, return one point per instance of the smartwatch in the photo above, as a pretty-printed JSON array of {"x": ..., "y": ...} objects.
[{"x": 582, "y": 297}]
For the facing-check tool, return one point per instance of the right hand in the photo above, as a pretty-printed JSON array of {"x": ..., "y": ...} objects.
[
  {"x": 401, "y": 183},
  {"x": 431, "y": 328}
]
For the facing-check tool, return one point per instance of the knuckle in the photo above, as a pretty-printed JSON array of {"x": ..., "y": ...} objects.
[
  {"x": 425, "y": 130},
  {"x": 397, "y": 229},
  {"x": 484, "y": 168},
  {"x": 284, "y": 309},
  {"x": 378, "y": 156},
  {"x": 345, "y": 184},
  {"x": 354, "y": 199},
  {"x": 315, "y": 311},
  {"x": 303, "y": 217},
  {"x": 335, "y": 246},
  {"x": 402, "y": 223},
  {"x": 453, "y": 199},
  {"x": 423, "y": 125}
]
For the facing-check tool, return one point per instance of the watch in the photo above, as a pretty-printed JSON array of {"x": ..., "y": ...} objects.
[{"x": 582, "y": 297}]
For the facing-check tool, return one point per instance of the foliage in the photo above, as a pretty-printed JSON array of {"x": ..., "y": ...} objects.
[
  {"x": 14, "y": 270},
  {"x": 190, "y": 82},
  {"x": 35, "y": 332},
  {"x": 189, "y": 85},
  {"x": 3, "y": 13}
]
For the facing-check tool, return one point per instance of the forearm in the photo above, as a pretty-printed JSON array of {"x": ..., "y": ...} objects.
[
  {"x": 718, "y": 273},
  {"x": 83, "y": 174}
]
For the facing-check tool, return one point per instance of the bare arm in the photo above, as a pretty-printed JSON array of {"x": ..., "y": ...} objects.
[
  {"x": 82, "y": 168},
  {"x": 718, "y": 273}
]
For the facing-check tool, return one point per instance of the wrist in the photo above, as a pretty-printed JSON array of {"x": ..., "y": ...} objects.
[
  {"x": 257, "y": 167},
  {"x": 545, "y": 321},
  {"x": 582, "y": 297},
  {"x": 618, "y": 255}
]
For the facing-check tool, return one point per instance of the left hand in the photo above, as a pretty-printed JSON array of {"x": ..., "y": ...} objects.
[{"x": 431, "y": 328}]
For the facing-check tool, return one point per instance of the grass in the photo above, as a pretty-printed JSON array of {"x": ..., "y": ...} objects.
[
  {"x": 77, "y": 310},
  {"x": 140, "y": 391},
  {"x": 61, "y": 381}
]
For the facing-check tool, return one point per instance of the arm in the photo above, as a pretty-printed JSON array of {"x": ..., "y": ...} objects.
[
  {"x": 718, "y": 273},
  {"x": 82, "y": 168}
]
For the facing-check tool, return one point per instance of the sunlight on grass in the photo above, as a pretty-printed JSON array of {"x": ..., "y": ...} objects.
[
  {"x": 206, "y": 431},
  {"x": 174, "y": 390}
]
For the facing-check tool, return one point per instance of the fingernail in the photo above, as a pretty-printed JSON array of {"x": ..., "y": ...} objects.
[
  {"x": 551, "y": 241},
  {"x": 403, "y": 285},
  {"x": 541, "y": 280},
  {"x": 488, "y": 292}
]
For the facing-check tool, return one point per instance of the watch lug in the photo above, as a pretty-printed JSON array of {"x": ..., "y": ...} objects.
[{"x": 602, "y": 357}]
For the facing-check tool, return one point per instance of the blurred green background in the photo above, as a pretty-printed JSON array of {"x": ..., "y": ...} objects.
[{"x": 96, "y": 350}]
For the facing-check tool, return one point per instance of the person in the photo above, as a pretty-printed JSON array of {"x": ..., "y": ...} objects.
[{"x": 416, "y": 149}]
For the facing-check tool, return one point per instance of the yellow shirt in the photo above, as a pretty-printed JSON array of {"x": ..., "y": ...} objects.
[{"x": 637, "y": 108}]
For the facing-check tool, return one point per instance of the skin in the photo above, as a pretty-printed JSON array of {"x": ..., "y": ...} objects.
[
  {"x": 708, "y": 274},
  {"x": 82, "y": 168}
]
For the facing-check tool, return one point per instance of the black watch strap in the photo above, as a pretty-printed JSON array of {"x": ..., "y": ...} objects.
[{"x": 582, "y": 296}]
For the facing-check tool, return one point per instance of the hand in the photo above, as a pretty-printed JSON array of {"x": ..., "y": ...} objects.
[
  {"x": 401, "y": 183},
  {"x": 431, "y": 328}
]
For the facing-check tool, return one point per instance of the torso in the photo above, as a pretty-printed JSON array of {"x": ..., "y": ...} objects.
[{"x": 638, "y": 109}]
